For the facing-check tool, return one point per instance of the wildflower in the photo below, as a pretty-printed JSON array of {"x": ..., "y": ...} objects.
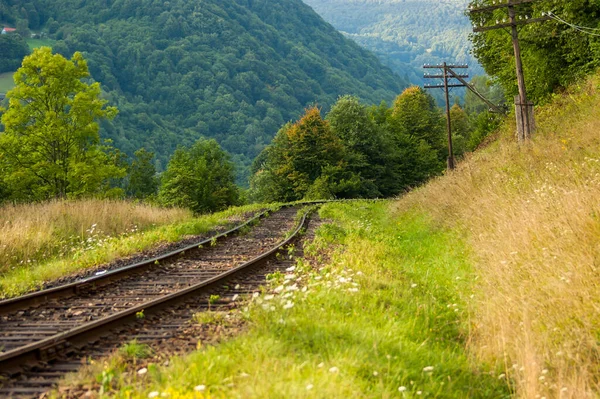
[
  {"x": 199, "y": 388},
  {"x": 290, "y": 269},
  {"x": 501, "y": 376},
  {"x": 542, "y": 378},
  {"x": 320, "y": 365},
  {"x": 402, "y": 388},
  {"x": 309, "y": 387},
  {"x": 353, "y": 289},
  {"x": 292, "y": 288},
  {"x": 304, "y": 289},
  {"x": 288, "y": 305},
  {"x": 255, "y": 295},
  {"x": 413, "y": 285},
  {"x": 269, "y": 297},
  {"x": 153, "y": 394},
  {"x": 334, "y": 370},
  {"x": 244, "y": 375},
  {"x": 375, "y": 373},
  {"x": 428, "y": 369},
  {"x": 359, "y": 273},
  {"x": 290, "y": 276},
  {"x": 564, "y": 389},
  {"x": 544, "y": 371},
  {"x": 419, "y": 392},
  {"x": 142, "y": 371},
  {"x": 237, "y": 287},
  {"x": 236, "y": 296},
  {"x": 279, "y": 289}
]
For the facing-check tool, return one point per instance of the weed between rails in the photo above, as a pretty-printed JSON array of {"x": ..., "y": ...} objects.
[
  {"x": 374, "y": 309},
  {"x": 531, "y": 215}
]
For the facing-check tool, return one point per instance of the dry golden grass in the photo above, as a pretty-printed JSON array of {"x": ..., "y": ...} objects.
[
  {"x": 532, "y": 215},
  {"x": 38, "y": 231}
]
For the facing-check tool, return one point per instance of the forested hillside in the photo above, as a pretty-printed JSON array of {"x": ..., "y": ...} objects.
[
  {"x": 233, "y": 70},
  {"x": 405, "y": 34}
]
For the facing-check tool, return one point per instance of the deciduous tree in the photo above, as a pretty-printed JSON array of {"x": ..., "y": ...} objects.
[{"x": 51, "y": 146}]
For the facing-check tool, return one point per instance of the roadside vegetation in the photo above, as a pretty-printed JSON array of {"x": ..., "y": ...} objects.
[
  {"x": 371, "y": 322},
  {"x": 530, "y": 214},
  {"x": 42, "y": 242}
]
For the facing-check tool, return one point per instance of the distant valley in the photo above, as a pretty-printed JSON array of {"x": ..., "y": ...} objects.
[{"x": 405, "y": 34}]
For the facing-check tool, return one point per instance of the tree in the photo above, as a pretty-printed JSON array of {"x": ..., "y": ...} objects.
[
  {"x": 13, "y": 49},
  {"x": 200, "y": 178},
  {"x": 367, "y": 153},
  {"x": 298, "y": 157},
  {"x": 554, "y": 53},
  {"x": 51, "y": 146},
  {"x": 143, "y": 182}
]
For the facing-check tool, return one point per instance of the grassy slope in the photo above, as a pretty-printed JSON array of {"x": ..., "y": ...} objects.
[
  {"x": 42, "y": 242},
  {"x": 531, "y": 215}
]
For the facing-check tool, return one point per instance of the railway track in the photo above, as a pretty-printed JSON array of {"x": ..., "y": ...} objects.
[{"x": 42, "y": 333}]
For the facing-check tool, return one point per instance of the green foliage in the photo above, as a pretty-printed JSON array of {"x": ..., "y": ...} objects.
[
  {"x": 13, "y": 49},
  {"x": 199, "y": 178},
  {"x": 143, "y": 182},
  {"x": 357, "y": 152},
  {"x": 553, "y": 53},
  {"x": 305, "y": 159},
  {"x": 230, "y": 70},
  {"x": 51, "y": 146}
]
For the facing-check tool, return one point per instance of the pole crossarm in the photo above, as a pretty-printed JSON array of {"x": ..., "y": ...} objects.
[
  {"x": 509, "y": 24},
  {"x": 429, "y": 76},
  {"x": 501, "y": 4},
  {"x": 463, "y": 66},
  {"x": 441, "y": 86}
]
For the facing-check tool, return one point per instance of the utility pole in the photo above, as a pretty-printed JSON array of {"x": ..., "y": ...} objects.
[
  {"x": 524, "y": 109},
  {"x": 446, "y": 86}
]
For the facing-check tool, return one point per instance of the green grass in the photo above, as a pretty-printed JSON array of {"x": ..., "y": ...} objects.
[
  {"x": 24, "y": 279},
  {"x": 6, "y": 79},
  {"x": 6, "y": 82},
  {"x": 384, "y": 318},
  {"x": 35, "y": 43}
]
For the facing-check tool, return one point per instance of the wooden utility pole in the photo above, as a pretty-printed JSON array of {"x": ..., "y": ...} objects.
[
  {"x": 446, "y": 86},
  {"x": 524, "y": 109}
]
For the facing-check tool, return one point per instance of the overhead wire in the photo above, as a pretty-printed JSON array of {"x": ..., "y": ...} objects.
[{"x": 582, "y": 29}]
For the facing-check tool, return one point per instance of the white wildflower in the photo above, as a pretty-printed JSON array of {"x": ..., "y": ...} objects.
[
  {"x": 334, "y": 370},
  {"x": 153, "y": 394},
  {"x": 142, "y": 371},
  {"x": 413, "y": 285},
  {"x": 236, "y": 296},
  {"x": 288, "y": 305},
  {"x": 199, "y": 388},
  {"x": 402, "y": 388},
  {"x": 279, "y": 289},
  {"x": 255, "y": 295},
  {"x": 501, "y": 376},
  {"x": 290, "y": 269},
  {"x": 269, "y": 297},
  {"x": 428, "y": 369},
  {"x": 320, "y": 365},
  {"x": 309, "y": 387}
]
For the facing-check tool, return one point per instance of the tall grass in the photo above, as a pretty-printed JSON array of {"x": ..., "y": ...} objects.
[
  {"x": 531, "y": 213},
  {"x": 35, "y": 232},
  {"x": 43, "y": 242}
]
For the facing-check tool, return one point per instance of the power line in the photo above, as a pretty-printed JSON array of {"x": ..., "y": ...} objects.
[{"x": 582, "y": 29}]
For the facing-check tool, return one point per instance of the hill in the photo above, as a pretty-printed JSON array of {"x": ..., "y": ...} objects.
[
  {"x": 234, "y": 70},
  {"x": 405, "y": 34}
]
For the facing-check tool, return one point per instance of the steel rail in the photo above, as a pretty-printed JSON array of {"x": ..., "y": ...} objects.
[{"x": 49, "y": 347}]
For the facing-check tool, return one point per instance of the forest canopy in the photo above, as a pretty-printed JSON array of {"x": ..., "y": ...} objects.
[{"x": 232, "y": 70}]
